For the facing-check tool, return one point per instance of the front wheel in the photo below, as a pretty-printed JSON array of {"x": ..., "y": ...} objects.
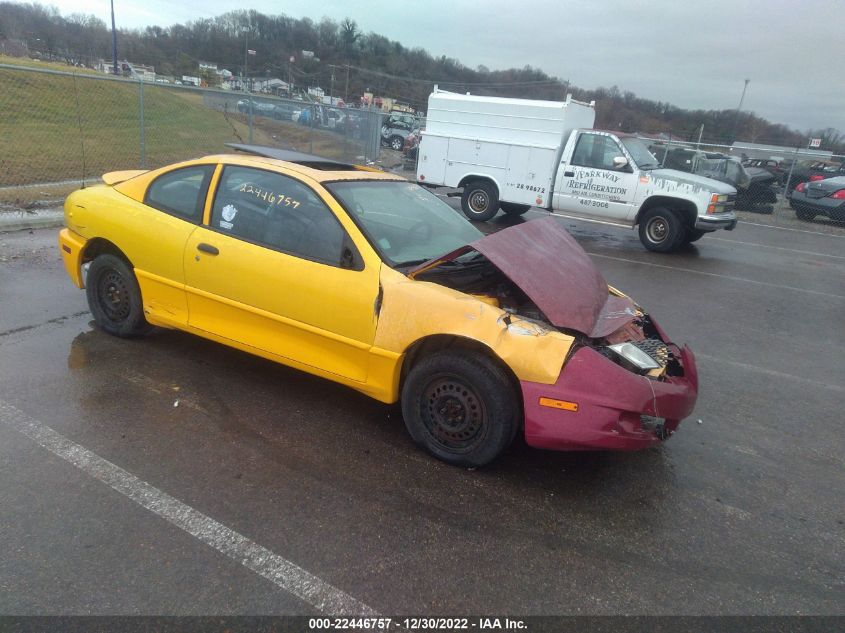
[
  {"x": 114, "y": 297},
  {"x": 397, "y": 143},
  {"x": 514, "y": 209},
  {"x": 480, "y": 200},
  {"x": 662, "y": 230},
  {"x": 461, "y": 407}
]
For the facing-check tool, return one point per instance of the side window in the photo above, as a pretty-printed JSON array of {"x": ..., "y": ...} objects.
[
  {"x": 181, "y": 192},
  {"x": 596, "y": 151},
  {"x": 282, "y": 213}
]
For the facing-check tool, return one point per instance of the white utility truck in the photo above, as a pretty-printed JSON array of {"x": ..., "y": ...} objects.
[{"x": 512, "y": 154}]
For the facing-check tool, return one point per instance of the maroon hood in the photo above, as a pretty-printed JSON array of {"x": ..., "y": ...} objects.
[{"x": 546, "y": 262}]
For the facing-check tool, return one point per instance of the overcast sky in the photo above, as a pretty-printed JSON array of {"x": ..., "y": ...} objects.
[{"x": 692, "y": 53}]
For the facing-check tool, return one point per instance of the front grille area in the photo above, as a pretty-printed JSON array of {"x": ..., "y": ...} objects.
[{"x": 655, "y": 348}]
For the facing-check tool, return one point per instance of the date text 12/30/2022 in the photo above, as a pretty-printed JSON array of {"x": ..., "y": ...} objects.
[{"x": 416, "y": 624}]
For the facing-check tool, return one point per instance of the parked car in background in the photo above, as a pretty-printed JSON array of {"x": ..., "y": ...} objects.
[
  {"x": 396, "y": 128},
  {"x": 386, "y": 290},
  {"x": 812, "y": 170},
  {"x": 771, "y": 165},
  {"x": 825, "y": 197},
  {"x": 281, "y": 111},
  {"x": 755, "y": 186}
]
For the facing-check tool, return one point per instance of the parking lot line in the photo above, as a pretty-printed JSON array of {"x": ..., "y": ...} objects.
[
  {"x": 282, "y": 572},
  {"x": 770, "y": 372},
  {"x": 702, "y": 272},
  {"x": 786, "y": 228},
  {"x": 780, "y": 248}
]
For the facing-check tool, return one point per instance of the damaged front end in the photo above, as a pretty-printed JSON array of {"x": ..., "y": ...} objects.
[{"x": 623, "y": 384}]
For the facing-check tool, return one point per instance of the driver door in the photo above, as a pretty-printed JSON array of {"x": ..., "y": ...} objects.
[
  {"x": 275, "y": 270},
  {"x": 592, "y": 185}
]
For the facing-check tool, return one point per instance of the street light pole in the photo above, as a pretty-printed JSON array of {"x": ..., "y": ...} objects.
[
  {"x": 113, "y": 39},
  {"x": 246, "y": 55},
  {"x": 738, "y": 108}
]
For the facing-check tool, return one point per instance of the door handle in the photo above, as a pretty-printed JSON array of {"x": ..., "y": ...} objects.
[
  {"x": 569, "y": 174},
  {"x": 208, "y": 248}
]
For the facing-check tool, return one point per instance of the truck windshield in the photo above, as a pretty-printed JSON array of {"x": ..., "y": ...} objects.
[
  {"x": 405, "y": 223},
  {"x": 638, "y": 150}
]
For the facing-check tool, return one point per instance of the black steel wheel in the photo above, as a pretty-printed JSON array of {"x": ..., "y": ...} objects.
[
  {"x": 461, "y": 407},
  {"x": 662, "y": 230},
  {"x": 114, "y": 297},
  {"x": 480, "y": 200}
]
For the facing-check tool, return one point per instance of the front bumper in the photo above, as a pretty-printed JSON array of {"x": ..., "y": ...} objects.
[
  {"x": 716, "y": 221},
  {"x": 611, "y": 402}
]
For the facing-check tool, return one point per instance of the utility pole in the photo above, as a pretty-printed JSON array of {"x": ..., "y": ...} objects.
[
  {"x": 346, "y": 91},
  {"x": 331, "y": 89},
  {"x": 700, "y": 134},
  {"x": 113, "y": 39},
  {"x": 246, "y": 55}
]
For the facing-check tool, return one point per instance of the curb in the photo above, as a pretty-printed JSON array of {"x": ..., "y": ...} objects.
[{"x": 22, "y": 221}]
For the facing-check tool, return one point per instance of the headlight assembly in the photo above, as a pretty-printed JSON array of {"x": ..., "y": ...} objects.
[{"x": 634, "y": 355}]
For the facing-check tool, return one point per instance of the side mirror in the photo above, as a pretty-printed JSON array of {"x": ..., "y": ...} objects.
[{"x": 619, "y": 162}]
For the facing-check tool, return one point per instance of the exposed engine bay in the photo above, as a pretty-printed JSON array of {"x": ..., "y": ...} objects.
[{"x": 474, "y": 274}]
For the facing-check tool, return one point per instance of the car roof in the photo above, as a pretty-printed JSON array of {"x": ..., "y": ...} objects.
[{"x": 319, "y": 168}]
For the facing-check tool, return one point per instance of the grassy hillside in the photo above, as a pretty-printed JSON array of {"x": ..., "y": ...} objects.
[{"x": 49, "y": 122}]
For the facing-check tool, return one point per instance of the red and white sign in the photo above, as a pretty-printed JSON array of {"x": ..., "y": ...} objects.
[{"x": 815, "y": 142}]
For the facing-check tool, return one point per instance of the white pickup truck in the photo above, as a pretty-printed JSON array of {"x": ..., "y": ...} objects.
[{"x": 512, "y": 154}]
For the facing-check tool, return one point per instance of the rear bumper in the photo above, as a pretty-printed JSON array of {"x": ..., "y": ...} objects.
[
  {"x": 610, "y": 404},
  {"x": 834, "y": 209},
  {"x": 725, "y": 221}
]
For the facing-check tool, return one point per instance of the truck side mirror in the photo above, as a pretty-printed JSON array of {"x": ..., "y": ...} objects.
[{"x": 619, "y": 162}]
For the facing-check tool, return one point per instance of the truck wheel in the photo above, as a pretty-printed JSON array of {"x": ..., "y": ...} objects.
[
  {"x": 513, "y": 209},
  {"x": 662, "y": 230},
  {"x": 480, "y": 200},
  {"x": 397, "y": 143},
  {"x": 461, "y": 407}
]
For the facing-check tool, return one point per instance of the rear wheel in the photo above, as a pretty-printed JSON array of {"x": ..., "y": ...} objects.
[
  {"x": 461, "y": 407},
  {"x": 480, "y": 200},
  {"x": 804, "y": 214},
  {"x": 662, "y": 230},
  {"x": 513, "y": 209},
  {"x": 114, "y": 297}
]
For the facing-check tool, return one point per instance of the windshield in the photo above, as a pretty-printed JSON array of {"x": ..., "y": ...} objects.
[
  {"x": 643, "y": 158},
  {"x": 407, "y": 224}
]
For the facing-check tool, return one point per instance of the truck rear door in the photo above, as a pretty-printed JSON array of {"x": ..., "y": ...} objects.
[{"x": 590, "y": 184}]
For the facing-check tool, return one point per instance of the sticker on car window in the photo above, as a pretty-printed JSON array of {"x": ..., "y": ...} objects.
[
  {"x": 229, "y": 213},
  {"x": 270, "y": 197}
]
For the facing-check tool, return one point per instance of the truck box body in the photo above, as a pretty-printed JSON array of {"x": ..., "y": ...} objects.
[{"x": 515, "y": 142}]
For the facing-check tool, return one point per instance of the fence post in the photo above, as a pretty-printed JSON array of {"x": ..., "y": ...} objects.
[
  {"x": 789, "y": 177},
  {"x": 141, "y": 117},
  {"x": 249, "y": 98}
]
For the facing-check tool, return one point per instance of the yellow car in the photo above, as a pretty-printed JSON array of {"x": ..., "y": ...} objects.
[{"x": 369, "y": 280}]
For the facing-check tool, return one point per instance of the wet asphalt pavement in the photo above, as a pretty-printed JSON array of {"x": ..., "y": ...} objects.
[{"x": 741, "y": 513}]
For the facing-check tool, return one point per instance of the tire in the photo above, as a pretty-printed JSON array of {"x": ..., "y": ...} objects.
[
  {"x": 662, "y": 230},
  {"x": 805, "y": 214},
  {"x": 397, "y": 143},
  {"x": 114, "y": 297},
  {"x": 693, "y": 235},
  {"x": 514, "y": 209},
  {"x": 461, "y": 407},
  {"x": 480, "y": 200}
]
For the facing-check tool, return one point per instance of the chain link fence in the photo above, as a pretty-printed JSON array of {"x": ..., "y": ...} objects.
[{"x": 60, "y": 129}]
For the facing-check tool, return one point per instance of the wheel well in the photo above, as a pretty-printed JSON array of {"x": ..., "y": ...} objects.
[
  {"x": 437, "y": 342},
  {"x": 468, "y": 179},
  {"x": 687, "y": 208},
  {"x": 99, "y": 246}
]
